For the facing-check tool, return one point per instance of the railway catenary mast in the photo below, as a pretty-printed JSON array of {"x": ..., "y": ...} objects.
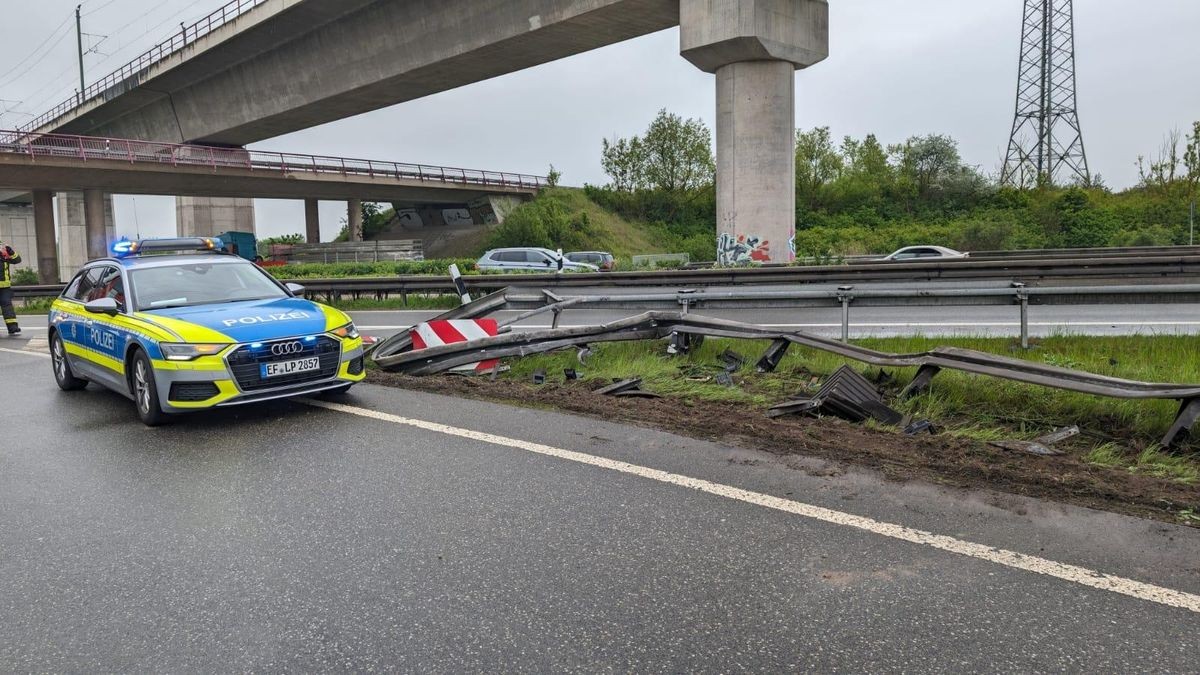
[{"x": 1046, "y": 145}]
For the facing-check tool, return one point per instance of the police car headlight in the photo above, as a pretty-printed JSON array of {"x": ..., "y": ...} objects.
[
  {"x": 189, "y": 351},
  {"x": 348, "y": 331}
]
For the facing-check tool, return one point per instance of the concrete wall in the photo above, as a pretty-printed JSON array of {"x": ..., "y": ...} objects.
[
  {"x": 16, "y": 230},
  {"x": 72, "y": 233},
  {"x": 209, "y": 216}
]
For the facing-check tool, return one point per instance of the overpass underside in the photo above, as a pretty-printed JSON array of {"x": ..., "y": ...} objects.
[{"x": 287, "y": 65}]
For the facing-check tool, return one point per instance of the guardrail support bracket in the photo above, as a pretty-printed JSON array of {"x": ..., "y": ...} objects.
[
  {"x": 921, "y": 382},
  {"x": 770, "y": 360},
  {"x": 1189, "y": 412}
]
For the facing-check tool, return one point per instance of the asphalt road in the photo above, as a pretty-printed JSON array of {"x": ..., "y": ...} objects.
[{"x": 394, "y": 533}]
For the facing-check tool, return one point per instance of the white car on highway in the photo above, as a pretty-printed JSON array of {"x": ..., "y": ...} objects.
[
  {"x": 926, "y": 253},
  {"x": 529, "y": 260}
]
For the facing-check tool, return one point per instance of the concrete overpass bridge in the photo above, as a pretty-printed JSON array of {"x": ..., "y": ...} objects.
[
  {"x": 43, "y": 164},
  {"x": 255, "y": 69}
]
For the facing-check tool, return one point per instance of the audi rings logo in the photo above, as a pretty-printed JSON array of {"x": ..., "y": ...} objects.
[{"x": 286, "y": 348}]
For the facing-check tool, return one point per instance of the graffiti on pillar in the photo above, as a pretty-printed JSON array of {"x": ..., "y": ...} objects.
[
  {"x": 742, "y": 249},
  {"x": 458, "y": 217},
  {"x": 409, "y": 218}
]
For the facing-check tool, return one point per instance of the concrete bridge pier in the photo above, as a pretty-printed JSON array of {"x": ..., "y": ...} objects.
[
  {"x": 312, "y": 221},
  {"x": 210, "y": 216},
  {"x": 47, "y": 245},
  {"x": 354, "y": 220},
  {"x": 754, "y": 47},
  {"x": 85, "y": 226}
]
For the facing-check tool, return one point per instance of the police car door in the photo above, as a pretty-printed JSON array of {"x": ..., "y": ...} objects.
[
  {"x": 72, "y": 326},
  {"x": 103, "y": 339}
]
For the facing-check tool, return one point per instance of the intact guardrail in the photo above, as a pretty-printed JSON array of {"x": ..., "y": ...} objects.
[
  {"x": 125, "y": 150},
  {"x": 1017, "y": 294},
  {"x": 1147, "y": 271}
]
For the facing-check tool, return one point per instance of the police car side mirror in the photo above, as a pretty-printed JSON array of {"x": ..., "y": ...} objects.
[
  {"x": 103, "y": 306},
  {"x": 295, "y": 289}
]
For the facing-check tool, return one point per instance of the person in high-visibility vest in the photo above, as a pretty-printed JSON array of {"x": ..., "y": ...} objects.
[{"x": 8, "y": 258}]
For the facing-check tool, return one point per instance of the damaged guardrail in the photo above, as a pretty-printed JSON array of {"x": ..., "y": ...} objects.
[{"x": 395, "y": 354}]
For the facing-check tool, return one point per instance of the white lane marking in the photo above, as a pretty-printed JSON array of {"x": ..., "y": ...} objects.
[
  {"x": 24, "y": 353},
  {"x": 1065, "y": 572}
]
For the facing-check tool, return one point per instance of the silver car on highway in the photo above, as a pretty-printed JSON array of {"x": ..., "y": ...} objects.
[{"x": 529, "y": 260}]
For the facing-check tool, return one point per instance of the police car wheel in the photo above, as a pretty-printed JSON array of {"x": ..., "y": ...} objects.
[
  {"x": 145, "y": 392},
  {"x": 63, "y": 375}
]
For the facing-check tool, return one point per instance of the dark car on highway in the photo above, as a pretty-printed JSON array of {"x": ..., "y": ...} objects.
[{"x": 601, "y": 259}]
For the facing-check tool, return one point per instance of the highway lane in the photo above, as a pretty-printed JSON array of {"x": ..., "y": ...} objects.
[
  {"x": 977, "y": 320},
  {"x": 391, "y": 535}
]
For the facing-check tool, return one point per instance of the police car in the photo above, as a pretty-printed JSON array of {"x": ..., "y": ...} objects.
[{"x": 178, "y": 325}]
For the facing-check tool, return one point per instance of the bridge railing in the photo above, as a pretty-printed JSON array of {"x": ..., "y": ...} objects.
[
  {"x": 155, "y": 54},
  {"x": 93, "y": 148}
]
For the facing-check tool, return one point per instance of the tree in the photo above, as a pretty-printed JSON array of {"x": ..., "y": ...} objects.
[
  {"x": 817, "y": 164},
  {"x": 674, "y": 156},
  {"x": 677, "y": 154},
  {"x": 622, "y": 159},
  {"x": 928, "y": 160}
]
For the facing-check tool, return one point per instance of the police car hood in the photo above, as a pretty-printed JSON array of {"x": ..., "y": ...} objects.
[{"x": 253, "y": 320}]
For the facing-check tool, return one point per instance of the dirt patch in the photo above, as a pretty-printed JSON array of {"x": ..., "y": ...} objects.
[{"x": 938, "y": 459}]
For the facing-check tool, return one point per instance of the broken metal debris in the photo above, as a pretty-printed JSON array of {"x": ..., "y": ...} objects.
[
  {"x": 627, "y": 388},
  {"x": 725, "y": 379},
  {"x": 1040, "y": 445},
  {"x": 731, "y": 360},
  {"x": 620, "y": 386},
  {"x": 539, "y": 376},
  {"x": 846, "y": 394},
  {"x": 920, "y": 426},
  {"x": 570, "y": 374}
]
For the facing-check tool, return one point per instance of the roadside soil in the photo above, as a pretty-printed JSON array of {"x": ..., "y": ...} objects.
[{"x": 943, "y": 460}]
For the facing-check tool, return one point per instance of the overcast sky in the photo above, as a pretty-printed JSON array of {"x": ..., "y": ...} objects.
[{"x": 896, "y": 69}]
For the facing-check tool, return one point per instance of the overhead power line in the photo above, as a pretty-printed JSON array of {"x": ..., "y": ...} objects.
[{"x": 35, "y": 53}]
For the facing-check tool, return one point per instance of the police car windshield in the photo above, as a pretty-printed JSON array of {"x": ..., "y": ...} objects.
[{"x": 193, "y": 283}]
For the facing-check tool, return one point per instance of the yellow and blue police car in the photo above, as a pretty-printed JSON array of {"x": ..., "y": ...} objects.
[{"x": 178, "y": 325}]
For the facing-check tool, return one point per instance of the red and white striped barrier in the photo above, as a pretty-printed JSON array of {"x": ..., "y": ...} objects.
[{"x": 436, "y": 333}]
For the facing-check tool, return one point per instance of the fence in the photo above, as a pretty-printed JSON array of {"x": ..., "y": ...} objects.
[{"x": 358, "y": 251}]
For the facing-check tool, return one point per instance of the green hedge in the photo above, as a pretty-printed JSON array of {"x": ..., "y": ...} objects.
[{"x": 379, "y": 269}]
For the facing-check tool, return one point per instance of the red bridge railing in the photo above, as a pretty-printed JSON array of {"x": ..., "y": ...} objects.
[
  {"x": 93, "y": 148},
  {"x": 139, "y": 65}
]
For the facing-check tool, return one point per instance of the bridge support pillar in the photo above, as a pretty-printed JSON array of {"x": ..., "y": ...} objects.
[
  {"x": 85, "y": 220},
  {"x": 95, "y": 223},
  {"x": 210, "y": 216},
  {"x": 754, "y": 48},
  {"x": 47, "y": 242},
  {"x": 312, "y": 221},
  {"x": 354, "y": 220}
]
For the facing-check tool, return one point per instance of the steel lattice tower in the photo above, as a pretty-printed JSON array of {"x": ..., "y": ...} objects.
[{"x": 1046, "y": 146}]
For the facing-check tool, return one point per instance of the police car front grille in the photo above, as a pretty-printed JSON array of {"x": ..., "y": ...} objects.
[
  {"x": 184, "y": 392},
  {"x": 245, "y": 362}
]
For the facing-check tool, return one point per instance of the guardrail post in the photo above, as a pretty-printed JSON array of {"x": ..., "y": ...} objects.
[
  {"x": 1023, "y": 299},
  {"x": 845, "y": 298}
]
